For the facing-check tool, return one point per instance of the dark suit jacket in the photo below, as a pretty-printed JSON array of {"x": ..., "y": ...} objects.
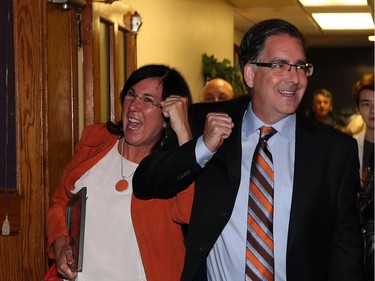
[{"x": 324, "y": 233}]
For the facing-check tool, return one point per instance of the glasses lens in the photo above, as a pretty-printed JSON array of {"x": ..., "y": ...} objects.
[
  {"x": 301, "y": 70},
  {"x": 282, "y": 69},
  {"x": 309, "y": 70},
  {"x": 130, "y": 95},
  {"x": 145, "y": 102}
]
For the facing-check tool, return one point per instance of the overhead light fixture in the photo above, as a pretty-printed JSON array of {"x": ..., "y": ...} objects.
[
  {"x": 341, "y": 21},
  {"x": 371, "y": 38},
  {"x": 334, "y": 2}
]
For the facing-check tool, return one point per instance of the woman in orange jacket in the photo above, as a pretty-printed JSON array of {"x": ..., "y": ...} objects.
[{"x": 126, "y": 238}]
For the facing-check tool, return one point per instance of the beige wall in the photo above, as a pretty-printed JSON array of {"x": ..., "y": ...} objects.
[
  {"x": 178, "y": 32},
  {"x": 238, "y": 37}
]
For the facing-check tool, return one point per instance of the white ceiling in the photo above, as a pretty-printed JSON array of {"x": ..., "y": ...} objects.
[{"x": 249, "y": 12}]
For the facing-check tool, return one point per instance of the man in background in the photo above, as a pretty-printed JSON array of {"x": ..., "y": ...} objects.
[
  {"x": 217, "y": 89},
  {"x": 323, "y": 109},
  {"x": 364, "y": 95}
]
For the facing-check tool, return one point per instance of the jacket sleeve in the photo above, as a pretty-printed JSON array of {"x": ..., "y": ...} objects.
[
  {"x": 346, "y": 251},
  {"x": 166, "y": 172}
]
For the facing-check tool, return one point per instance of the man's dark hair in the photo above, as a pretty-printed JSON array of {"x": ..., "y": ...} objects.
[
  {"x": 253, "y": 42},
  {"x": 366, "y": 83}
]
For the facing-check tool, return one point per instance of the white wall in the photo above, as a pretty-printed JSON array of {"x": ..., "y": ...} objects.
[{"x": 178, "y": 32}]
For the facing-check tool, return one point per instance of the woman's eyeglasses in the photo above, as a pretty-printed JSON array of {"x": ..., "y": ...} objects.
[{"x": 146, "y": 102}]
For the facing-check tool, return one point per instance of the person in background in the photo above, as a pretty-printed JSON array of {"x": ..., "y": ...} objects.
[
  {"x": 217, "y": 89},
  {"x": 310, "y": 172},
  {"x": 355, "y": 125},
  {"x": 126, "y": 238},
  {"x": 323, "y": 109},
  {"x": 363, "y": 95}
]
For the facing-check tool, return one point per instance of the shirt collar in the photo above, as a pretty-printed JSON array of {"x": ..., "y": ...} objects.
[{"x": 286, "y": 127}]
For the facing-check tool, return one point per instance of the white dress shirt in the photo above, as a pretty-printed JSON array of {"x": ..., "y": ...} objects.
[{"x": 226, "y": 260}]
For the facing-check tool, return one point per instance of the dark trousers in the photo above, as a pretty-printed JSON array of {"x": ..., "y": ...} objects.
[{"x": 368, "y": 244}]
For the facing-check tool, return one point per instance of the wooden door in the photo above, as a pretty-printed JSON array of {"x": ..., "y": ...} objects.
[
  {"x": 53, "y": 75},
  {"x": 91, "y": 51},
  {"x": 111, "y": 47}
]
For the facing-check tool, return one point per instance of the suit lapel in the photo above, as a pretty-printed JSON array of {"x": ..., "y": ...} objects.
[
  {"x": 232, "y": 147},
  {"x": 305, "y": 149}
]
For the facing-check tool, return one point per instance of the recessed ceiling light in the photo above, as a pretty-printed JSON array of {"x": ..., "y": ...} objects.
[
  {"x": 338, "y": 21},
  {"x": 333, "y": 2}
]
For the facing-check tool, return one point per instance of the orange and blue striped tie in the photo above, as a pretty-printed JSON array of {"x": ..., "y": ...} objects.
[{"x": 259, "y": 244}]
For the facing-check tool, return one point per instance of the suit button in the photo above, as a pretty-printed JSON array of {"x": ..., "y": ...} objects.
[
  {"x": 363, "y": 230},
  {"x": 224, "y": 215},
  {"x": 184, "y": 175},
  {"x": 202, "y": 249}
]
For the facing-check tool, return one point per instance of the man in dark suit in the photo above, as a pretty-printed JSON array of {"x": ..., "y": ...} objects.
[{"x": 315, "y": 228}]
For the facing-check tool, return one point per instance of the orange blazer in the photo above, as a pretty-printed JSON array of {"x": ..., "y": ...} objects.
[{"x": 157, "y": 222}]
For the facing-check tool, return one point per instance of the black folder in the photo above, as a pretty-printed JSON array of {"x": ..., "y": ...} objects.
[{"x": 75, "y": 222}]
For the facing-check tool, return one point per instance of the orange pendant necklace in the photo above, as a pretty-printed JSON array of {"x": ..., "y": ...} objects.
[{"x": 122, "y": 184}]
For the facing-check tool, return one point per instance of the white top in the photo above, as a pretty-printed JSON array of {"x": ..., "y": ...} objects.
[
  {"x": 360, "y": 138},
  {"x": 111, "y": 251}
]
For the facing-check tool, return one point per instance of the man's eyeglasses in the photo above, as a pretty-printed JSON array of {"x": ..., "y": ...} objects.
[
  {"x": 145, "y": 101},
  {"x": 282, "y": 69}
]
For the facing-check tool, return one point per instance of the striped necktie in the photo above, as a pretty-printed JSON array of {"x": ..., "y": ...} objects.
[{"x": 259, "y": 244}]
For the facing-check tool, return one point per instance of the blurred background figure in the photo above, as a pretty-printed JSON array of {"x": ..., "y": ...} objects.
[
  {"x": 355, "y": 125},
  {"x": 363, "y": 95},
  {"x": 217, "y": 89},
  {"x": 323, "y": 109}
]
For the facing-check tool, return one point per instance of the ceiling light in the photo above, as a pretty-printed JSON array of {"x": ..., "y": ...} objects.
[
  {"x": 339, "y": 21},
  {"x": 371, "y": 38},
  {"x": 333, "y": 2}
]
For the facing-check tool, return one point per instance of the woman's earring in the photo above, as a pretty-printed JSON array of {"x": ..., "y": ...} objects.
[{"x": 166, "y": 135}]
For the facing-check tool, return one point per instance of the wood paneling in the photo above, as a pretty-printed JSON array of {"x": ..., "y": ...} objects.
[
  {"x": 31, "y": 126},
  {"x": 11, "y": 263},
  {"x": 62, "y": 90},
  {"x": 117, "y": 15}
]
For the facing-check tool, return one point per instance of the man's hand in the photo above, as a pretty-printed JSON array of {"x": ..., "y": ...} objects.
[{"x": 218, "y": 127}]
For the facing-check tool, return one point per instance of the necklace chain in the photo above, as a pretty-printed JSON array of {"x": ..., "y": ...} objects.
[{"x": 122, "y": 161}]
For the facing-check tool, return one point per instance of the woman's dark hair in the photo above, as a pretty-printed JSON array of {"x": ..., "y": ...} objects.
[
  {"x": 253, "y": 42},
  {"x": 366, "y": 83},
  {"x": 172, "y": 84}
]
